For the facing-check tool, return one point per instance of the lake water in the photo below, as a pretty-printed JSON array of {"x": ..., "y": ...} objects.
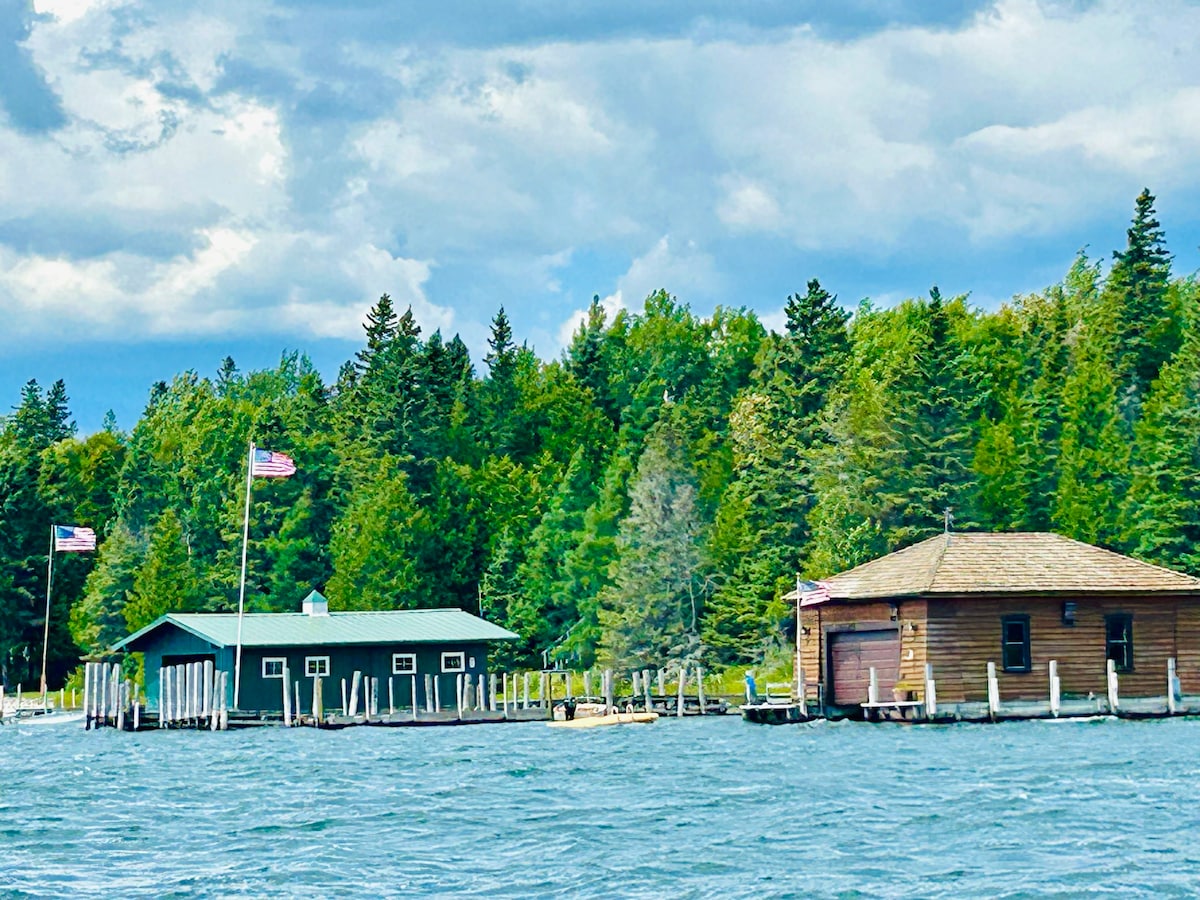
[{"x": 692, "y": 808}]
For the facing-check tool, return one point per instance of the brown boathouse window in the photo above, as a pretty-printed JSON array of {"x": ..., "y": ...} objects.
[
  {"x": 1014, "y": 643},
  {"x": 1118, "y": 641}
]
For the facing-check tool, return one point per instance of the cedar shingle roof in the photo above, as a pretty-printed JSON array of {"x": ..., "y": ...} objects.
[{"x": 1025, "y": 563}]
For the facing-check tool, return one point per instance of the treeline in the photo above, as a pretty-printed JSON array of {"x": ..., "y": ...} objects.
[{"x": 649, "y": 495}]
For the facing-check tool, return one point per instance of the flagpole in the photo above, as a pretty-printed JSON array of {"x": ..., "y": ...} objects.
[
  {"x": 799, "y": 659},
  {"x": 46, "y": 632},
  {"x": 237, "y": 665}
]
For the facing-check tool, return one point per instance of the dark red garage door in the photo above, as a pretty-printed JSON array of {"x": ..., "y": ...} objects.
[{"x": 851, "y": 656}]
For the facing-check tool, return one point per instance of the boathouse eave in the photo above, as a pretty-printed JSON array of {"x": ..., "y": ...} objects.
[
  {"x": 984, "y": 594},
  {"x": 348, "y": 628},
  {"x": 127, "y": 644}
]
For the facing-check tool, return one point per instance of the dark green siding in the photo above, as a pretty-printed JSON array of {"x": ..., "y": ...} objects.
[{"x": 266, "y": 694}]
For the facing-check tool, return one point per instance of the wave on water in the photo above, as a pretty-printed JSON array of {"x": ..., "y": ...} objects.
[{"x": 690, "y": 808}]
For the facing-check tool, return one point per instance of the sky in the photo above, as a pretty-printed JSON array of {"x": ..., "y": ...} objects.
[{"x": 180, "y": 181}]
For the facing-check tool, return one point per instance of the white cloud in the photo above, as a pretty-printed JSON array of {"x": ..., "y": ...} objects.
[{"x": 531, "y": 173}]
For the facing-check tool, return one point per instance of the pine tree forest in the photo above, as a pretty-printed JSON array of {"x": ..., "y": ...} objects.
[{"x": 647, "y": 497}]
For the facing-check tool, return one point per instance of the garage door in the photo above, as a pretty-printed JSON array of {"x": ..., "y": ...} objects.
[{"x": 851, "y": 656}]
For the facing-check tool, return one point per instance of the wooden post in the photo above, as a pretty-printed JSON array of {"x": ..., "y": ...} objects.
[
  {"x": 121, "y": 688},
  {"x": 872, "y": 687},
  {"x": 679, "y": 694},
  {"x": 206, "y": 705},
  {"x": 414, "y": 695},
  {"x": 391, "y": 695},
  {"x": 102, "y": 706},
  {"x": 636, "y": 685},
  {"x": 1055, "y": 689},
  {"x": 609, "y": 691},
  {"x": 930, "y": 692},
  {"x": 224, "y": 701},
  {"x": 318, "y": 701},
  {"x": 587, "y": 684},
  {"x": 458, "y": 693},
  {"x": 700, "y": 690},
  {"x": 437, "y": 693},
  {"x": 296, "y": 707},
  {"x": 345, "y": 700},
  {"x": 287, "y": 697},
  {"x": 993, "y": 687},
  {"x": 504, "y": 681},
  {"x": 375, "y": 697},
  {"x": 662, "y": 682},
  {"x": 525, "y": 702},
  {"x": 431, "y": 693},
  {"x": 1112, "y": 686},
  {"x": 481, "y": 696},
  {"x": 646, "y": 688},
  {"x": 137, "y": 709},
  {"x": 1172, "y": 688},
  {"x": 87, "y": 683},
  {"x": 545, "y": 690},
  {"x": 355, "y": 685},
  {"x": 164, "y": 697},
  {"x": 491, "y": 705}
]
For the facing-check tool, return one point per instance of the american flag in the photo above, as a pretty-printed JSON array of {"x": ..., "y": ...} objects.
[
  {"x": 271, "y": 465},
  {"x": 813, "y": 592},
  {"x": 73, "y": 539}
]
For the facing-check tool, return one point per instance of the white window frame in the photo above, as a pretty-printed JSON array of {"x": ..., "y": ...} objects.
[
  {"x": 309, "y": 660},
  {"x": 282, "y": 660},
  {"x": 404, "y": 657},
  {"x": 462, "y": 664}
]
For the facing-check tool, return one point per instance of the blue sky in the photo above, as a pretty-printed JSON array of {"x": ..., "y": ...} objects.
[{"x": 184, "y": 181}]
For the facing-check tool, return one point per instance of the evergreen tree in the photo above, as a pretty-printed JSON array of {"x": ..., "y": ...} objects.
[{"x": 1148, "y": 329}]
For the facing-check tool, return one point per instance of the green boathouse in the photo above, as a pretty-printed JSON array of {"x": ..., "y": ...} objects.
[{"x": 404, "y": 645}]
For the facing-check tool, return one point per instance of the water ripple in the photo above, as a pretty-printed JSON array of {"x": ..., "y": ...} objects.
[{"x": 692, "y": 808}]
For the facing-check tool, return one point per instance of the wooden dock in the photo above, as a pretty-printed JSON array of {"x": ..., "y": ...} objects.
[{"x": 194, "y": 696}]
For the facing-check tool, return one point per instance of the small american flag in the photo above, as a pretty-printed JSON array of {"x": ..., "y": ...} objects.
[
  {"x": 813, "y": 592},
  {"x": 271, "y": 465},
  {"x": 73, "y": 539}
]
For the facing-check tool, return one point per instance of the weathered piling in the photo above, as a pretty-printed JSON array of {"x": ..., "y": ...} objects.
[
  {"x": 993, "y": 689},
  {"x": 1055, "y": 689},
  {"x": 930, "y": 692},
  {"x": 287, "y": 697},
  {"x": 391, "y": 696},
  {"x": 680, "y": 687},
  {"x": 1172, "y": 688},
  {"x": 1111, "y": 675}
]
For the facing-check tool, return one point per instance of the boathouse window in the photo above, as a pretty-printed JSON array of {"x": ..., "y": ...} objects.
[
  {"x": 1014, "y": 643},
  {"x": 404, "y": 663},
  {"x": 453, "y": 662},
  {"x": 273, "y": 666},
  {"x": 316, "y": 666},
  {"x": 1118, "y": 641}
]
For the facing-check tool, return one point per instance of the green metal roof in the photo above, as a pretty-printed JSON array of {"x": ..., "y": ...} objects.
[{"x": 407, "y": 626}]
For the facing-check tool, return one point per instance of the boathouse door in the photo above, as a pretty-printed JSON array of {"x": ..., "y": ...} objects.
[{"x": 851, "y": 656}]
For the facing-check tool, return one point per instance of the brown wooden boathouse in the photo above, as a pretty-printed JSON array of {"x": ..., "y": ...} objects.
[{"x": 957, "y": 602}]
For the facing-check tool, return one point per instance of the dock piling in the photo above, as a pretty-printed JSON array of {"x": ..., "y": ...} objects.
[
  {"x": 1113, "y": 700},
  {"x": 680, "y": 688},
  {"x": 391, "y": 695},
  {"x": 993, "y": 688},
  {"x": 355, "y": 685},
  {"x": 646, "y": 688},
  {"x": 345, "y": 701},
  {"x": 930, "y": 692},
  {"x": 1055, "y": 689},
  {"x": 700, "y": 690},
  {"x": 414, "y": 697},
  {"x": 287, "y": 697},
  {"x": 872, "y": 687},
  {"x": 1172, "y": 688}
]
